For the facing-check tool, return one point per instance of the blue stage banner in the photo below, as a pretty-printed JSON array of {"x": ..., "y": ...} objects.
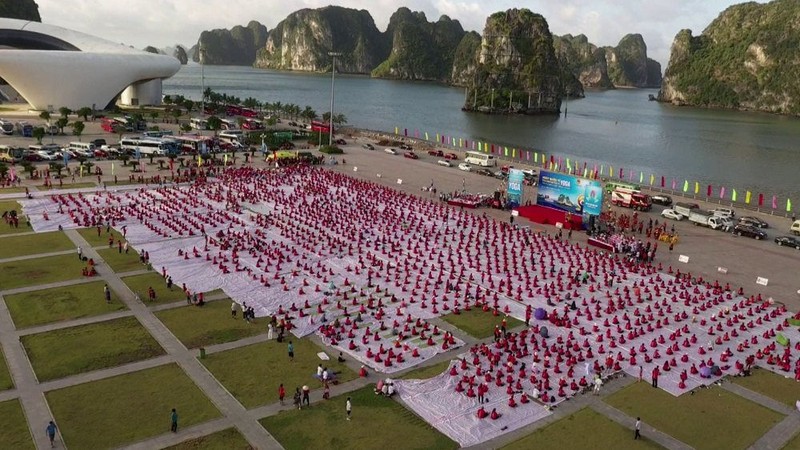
[
  {"x": 515, "y": 181},
  {"x": 570, "y": 193}
]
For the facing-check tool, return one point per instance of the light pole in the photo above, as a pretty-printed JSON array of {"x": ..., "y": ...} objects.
[
  {"x": 202, "y": 82},
  {"x": 491, "y": 105},
  {"x": 333, "y": 80}
]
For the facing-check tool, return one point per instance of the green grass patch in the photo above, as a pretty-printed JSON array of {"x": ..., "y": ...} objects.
[
  {"x": 121, "y": 262},
  {"x": 777, "y": 387},
  {"x": 60, "y": 304},
  {"x": 67, "y": 185},
  {"x": 376, "y": 423},
  {"x": 9, "y": 205},
  {"x": 423, "y": 373},
  {"x": 480, "y": 324},
  {"x": 6, "y": 382},
  {"x": 209, "y": 325},
  {"x": 794, "y": 443},
  {"x": 253, "y": 373},
  {"x": 70, "y": 351},
  {"x": 139, "y": 284},
  {"x": 15, "y": 433},
  {"x": 31, "y": 272},
  {"x": 229, "y": 439},
  {"x": 128, "y": 408},
  {"x": 34, "y": 244},
  {"x": 90, "y": 234},
  {"x": 572, "y": 432},
  {"x": 710, "y": 419}
]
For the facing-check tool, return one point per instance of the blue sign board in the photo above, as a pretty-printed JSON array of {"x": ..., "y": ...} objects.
[
  {"x": 515, "y": 182},
  {"x": 570, "y": 193}
]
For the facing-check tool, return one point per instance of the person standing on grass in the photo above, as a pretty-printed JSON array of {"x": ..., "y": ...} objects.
[
  {"x": 233, "y": 309},
  {"x": 306, "y": 398},
  {"x": 173, "y": 417},
  {"x": 281, "y": 393},
  {"x": 51, "y": 433},
  {"x": 348, "y": 407},
  {"x": 107, "y": 293},
  {"x": 80, "y": 254},
  {"x": 291, "y": 351},
  {"x": 297, "y": 398},
  {"x": 637, "y": 428}
]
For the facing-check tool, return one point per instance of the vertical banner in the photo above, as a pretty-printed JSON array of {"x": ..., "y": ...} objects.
[{"x": 515, "y": 182}]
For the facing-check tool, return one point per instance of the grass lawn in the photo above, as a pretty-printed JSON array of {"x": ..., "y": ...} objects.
[
  {"x": 90, "y": 234},
  {"x": 376, "y": 423},
  {"x": 70, "y": 351},
  {"x": 5, "y": 376},
  {"x": 15, "y": 433},
  {"x": 67, "y": 185},
  {"x": 128, "y": 408},
  {"x": 479, "y": 324},
  {"x": 121, "y": 262},
  {"x": 209, "y": 325},
  {"x": 8, "y": 205},
  {"x": 33, "y": 244},
  {"x": 423, "y": 373},
  {"x": 777, "y": 387},
  {"x": 253, "y": 373},
  {"x": 229, "y": 439},
  {"x": 572, "y": 432},
  {"x": 139, "y": 284},
  {"x": 31, "y": 272},
  {"x": 710, "y": 419},
  {"x": 793, "y": 444},
  {"x": 59, "y": 304}
]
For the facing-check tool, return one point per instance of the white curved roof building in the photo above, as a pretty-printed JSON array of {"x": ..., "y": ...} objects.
[{"x": 51, "y": 67}]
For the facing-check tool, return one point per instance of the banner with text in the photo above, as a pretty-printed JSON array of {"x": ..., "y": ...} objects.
[
  {"x": 570, "y": 193},
  {"x": 516, "y": 180}
]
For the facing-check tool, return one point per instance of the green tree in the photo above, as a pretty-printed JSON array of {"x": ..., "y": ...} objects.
[
  {"x": 124, "y": 158},
  {"x": 27, "y": 166},
  {"x": 45, "y": 115},
  {"x": 339, "y": 119},
  {"x": 134, "y": 166},
  {"x": 64, "y": 111},
  {"x": 185, "y": 127},
  {"x": 167, "y": 100},
  {"x": 250, "y": 102},
  {"x": 3, "y": 170},
  {"x": 154, "y": 116},
  {"x": 38, "y": 134},
  {"x": 308, "y": 114},
  {"x": 57, "y": 168},
  {"x": 85, "y": 112},
  {"x": 176, "y": 113},
  {"x": 77, "y": 128},
  {"x": 214, "y": 123},
  {"x": 61, "y": 123}
]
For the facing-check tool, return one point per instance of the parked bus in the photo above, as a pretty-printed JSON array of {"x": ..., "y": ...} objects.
[
  {"x": 24, "y": 129},
  {"x": 149, "y": 145},
  {"x": 158, "y": 133},
  {"x": 321, "y": 127},
  {"x": 85, "y": 149},
  {"x": 6, "y": 126},
  {"x": 611, "y": 185},
  {"x": 194, "y": 144},
  {"x": 480, "y": 159},
  {"x": 198, "y": 123}
]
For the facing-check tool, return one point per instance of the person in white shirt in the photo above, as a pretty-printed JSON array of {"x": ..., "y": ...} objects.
[
  {"x": 319, "y": 371},
  {"x": 325, "y": 375}
]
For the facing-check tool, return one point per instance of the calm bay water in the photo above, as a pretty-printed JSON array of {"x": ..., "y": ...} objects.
[{"x": 745, "y": 151}]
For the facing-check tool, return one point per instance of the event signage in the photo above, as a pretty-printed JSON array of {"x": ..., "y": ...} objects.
[
  {"x": 570, "y": 193},
  {"x": 515, "y": 181}
]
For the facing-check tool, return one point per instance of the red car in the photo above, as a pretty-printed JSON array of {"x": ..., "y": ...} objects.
[
  {"x": 450, "y": 156},
  {"x": 410, "y": 155},
  {"x": 438, "y": 153},
  {"x": 505, "y": 169},
  {"x": 252, "y": 125}
]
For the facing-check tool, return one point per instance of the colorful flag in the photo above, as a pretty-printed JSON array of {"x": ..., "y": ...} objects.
[
  {"x": 733, "y": 195},
  {"x": 722, "y": 192},
  {"x": 585, "y": 172},
  {"x": 696, "y": 187},
  {"x": 641, "y": 177},
  {"x": 426, "y": 136},
  {"x": 112, "y": 168},
  {"x": 396, "y": 130},
  {"x": 199, "y": 161},
  {"x": 82, "y": 170},
  {"x": 569, "y": 167},
  {"x": 747, "y": 196},
  {"x": 708, "y": 191},
  {"x": 610, "y": 171},
  {"x": 674, "y": 184},
  {"x": 652, "y": 179},
  {"x": 760, "y": 199},
  {"x": 774, "y": 202},
  {"x": 685, "y": 185},
  {"x": 225, "y": 159},
  {"x": 663, "y": 181},
  {"x": 788, "y": 205},
  {"x": 513, "y": 153},
  {"x": 621, "y": 173},
  {"x": 536, "y": 157}
]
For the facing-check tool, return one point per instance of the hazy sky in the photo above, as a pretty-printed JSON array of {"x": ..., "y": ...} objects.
[{"x": 167, "y": 22}]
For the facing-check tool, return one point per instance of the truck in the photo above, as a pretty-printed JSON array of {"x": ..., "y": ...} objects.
[
  {"x": 631, "y": 198},
  {"x": 708, "y": 219},
  {"x": 685, "y": 209}
]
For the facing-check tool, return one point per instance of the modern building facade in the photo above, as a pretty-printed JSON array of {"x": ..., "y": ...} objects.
[{"x": 51, "y": 67}]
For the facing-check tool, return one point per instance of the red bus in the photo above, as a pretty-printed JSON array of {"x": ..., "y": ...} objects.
[
  {"x": 322, "y": 127},
  {"x": 233, "y": 110}
]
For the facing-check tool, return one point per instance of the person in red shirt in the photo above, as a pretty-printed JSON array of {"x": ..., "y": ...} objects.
[
  {"x": 281, "y": 393},
  {"x": 655, "y": 374}
]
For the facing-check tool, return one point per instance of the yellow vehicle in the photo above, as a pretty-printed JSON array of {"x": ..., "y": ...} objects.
[
  {"x": 10, "y": 154},
  {"x": 281, "y": 154}
]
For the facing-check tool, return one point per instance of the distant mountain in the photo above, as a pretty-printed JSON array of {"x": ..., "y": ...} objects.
[
  {"x": 303, "y": 40},
  {"x": 20, "y": 9},
  {"x": 745, "y": 59},
  {"x": 180, "y": 54},
  {"x": 236, "y": 47}
]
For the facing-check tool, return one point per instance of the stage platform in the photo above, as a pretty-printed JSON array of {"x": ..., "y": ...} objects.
[{"x": 550, "y": 216}]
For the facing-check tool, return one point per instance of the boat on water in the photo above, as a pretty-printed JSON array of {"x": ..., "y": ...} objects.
[{"x": 6, "y": 126}]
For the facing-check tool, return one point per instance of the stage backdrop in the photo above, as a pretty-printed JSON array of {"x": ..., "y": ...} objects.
[
  {"x": 515, "y": 181},
  {"x": 570, "y": 193}
]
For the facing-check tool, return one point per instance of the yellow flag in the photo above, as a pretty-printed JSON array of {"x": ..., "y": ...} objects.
[
  {"x": 585, "y": 171},
  {"x": 513, "y": 153},
  {"x": 641, "y": 177},
  {"x": 199, "y": 161},
  {"x": 610, "y": 171},
  {"x": 685, "y": 185},
  {"x": 788, "y": 205},
  {"x": 696, "y": 187},
  {"x": 747, "y": 197},
  {"x": 652, "y": 179},
  {"x": 225, "y": 159},
  {"x": 426, "y": 136},
  {"x": 112, "y": 169},
  {"x": 396, "y": 130}
]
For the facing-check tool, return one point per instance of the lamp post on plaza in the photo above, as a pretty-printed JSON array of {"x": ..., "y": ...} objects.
[
  {"x": 202, "y": 82},
  {"x": 333, "y": 81}
]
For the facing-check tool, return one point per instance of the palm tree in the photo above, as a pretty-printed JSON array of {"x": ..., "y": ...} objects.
[
  {"x": 339, "y": 119},
  {"x": 38, "y": 134},
  {"x": 214, "y": 123},
  {"x": 85, "y": 112},
  {"x": 64, "y": 111},
  {"x": 308, "y": 114},
  {"x": 207, "y": 93},
  {"x": 61, "y": 123},
  {"x": 77, "y": 128},
  {"x": 45, "y": 115},
  {"x": 278, "y": 108}
]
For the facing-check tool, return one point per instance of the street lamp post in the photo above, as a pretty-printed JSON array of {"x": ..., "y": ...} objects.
[
  {"x": 333, "y": 80},
  {"x": 491, "y": 104},
  {"x": 202, "y": 82}
]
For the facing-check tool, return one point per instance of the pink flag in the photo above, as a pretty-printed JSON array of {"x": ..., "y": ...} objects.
[
  {"x": 722, "y": 192},
  {"x": 774, "y": 202},
  {"x": 630, "y": 174},
  {"x": 674, "y": 185}
]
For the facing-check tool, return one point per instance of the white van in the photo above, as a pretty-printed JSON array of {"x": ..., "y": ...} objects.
[
  {"x": 85, "y": 149},
  {"x": 231, "y": 136},
  {"x": 795, "y": 228}
]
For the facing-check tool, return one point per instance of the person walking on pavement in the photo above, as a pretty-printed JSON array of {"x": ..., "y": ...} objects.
[
  {"x": 80, "y": 253},
  {"x": 107, "y": 293},
  {"x": 173, "y": 417},
  {"x": 51, "y": 433},
  {"x": 637, "y": 429}
]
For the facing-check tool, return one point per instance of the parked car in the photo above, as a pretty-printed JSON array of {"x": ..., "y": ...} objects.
[
  {"x": 31, "y": 156},
  {"x": 753, "y": 222},
  {"x": 340, "y": 142},
  {"x": 506, "y": 168},
  {"x": 390, "y": 151},
  {"x": 788, "y": 241},
  {"x": 437, "y": 153},
  {"x": 748, "y": 231},
  {"x": 500, "y": 175},
  {"x": 410, "y": 155},
  {"x": 450, "y": 156},
  {"x": 485, "y": 172},
  {"x": 723, "y": 212},
  {"x": 47, "y": 156},
  {"x": 406, "y": 147},
  {"x": 670, "y": 213},
  {"x": 368, "y": 146},
  {"x": 99, "y": 142},
  {"x": 661, "y": 199},
  {"x": 444, "y": 162},
  {"x": 465, "y": 167}
]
